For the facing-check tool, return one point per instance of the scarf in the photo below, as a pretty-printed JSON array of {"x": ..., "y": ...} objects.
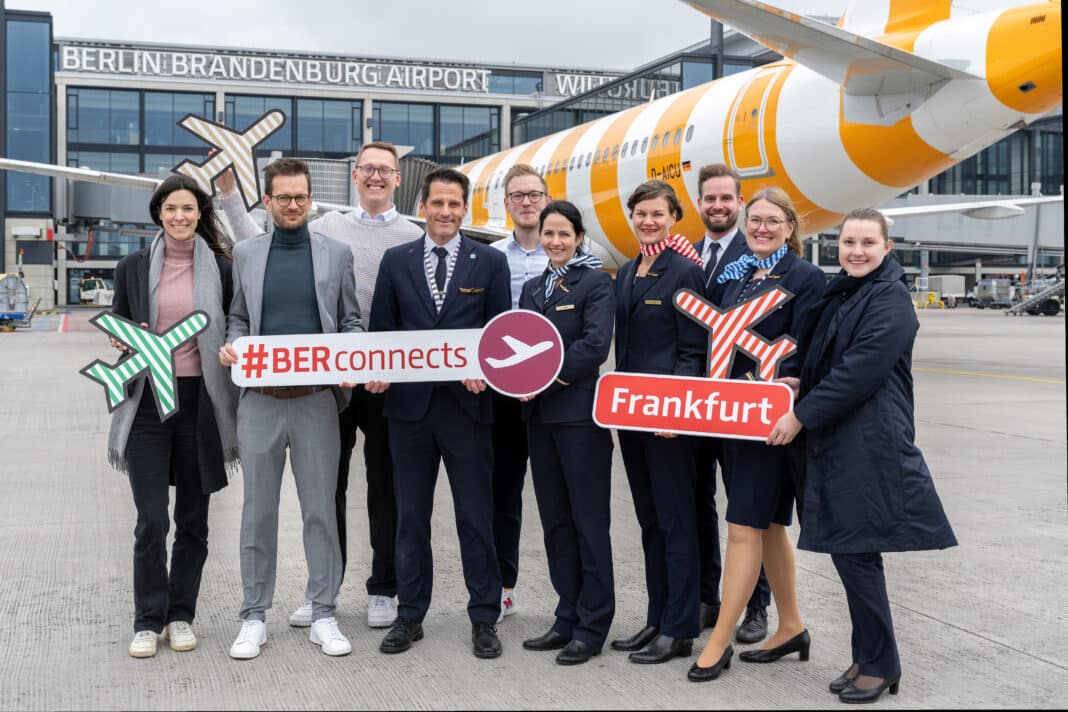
[
  {"x": 555, "y": 273},
  {"x": 675, "y": 242},
  {"x": 207, "y": 297},
  {"x": 738, "y": 268},
  {"x": 813, "y": 333}
]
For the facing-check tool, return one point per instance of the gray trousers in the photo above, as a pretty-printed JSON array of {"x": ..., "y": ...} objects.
[{"x": 308, "y": 426}]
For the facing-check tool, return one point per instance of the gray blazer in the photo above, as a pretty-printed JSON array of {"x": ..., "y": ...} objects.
[{"x": 335, "y": 290}]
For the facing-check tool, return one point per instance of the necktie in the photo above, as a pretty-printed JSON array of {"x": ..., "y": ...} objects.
[
  {"x": 439, "y": 271},
  {"x": 710, "y": 261}
]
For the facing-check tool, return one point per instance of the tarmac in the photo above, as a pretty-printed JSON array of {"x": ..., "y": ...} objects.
[{"x": 982, "y": 625}]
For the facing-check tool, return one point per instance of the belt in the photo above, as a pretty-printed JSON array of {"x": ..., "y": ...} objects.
[{"x": 287, "y": 392}]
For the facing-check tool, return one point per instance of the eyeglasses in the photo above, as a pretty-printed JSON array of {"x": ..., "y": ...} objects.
[
  {"x": 769, "y": 223},
  {"x": 533, "y": 195},
  {"x": 284, "y": 200},
  {"x": 369, "y": 171}
]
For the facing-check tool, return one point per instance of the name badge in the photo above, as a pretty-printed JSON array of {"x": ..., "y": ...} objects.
[
  {"x": 472, "y": 290},
  {"x": 565, "y": 307},
  {"x": 653, "y": 302}
]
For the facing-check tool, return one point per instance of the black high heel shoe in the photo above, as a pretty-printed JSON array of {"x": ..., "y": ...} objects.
[
  {"x": 856, "y": 695},
  {"x": 705, "y": 674},
  {"x": 844, "y": 680},
  {"x": 800, "y": 643}
]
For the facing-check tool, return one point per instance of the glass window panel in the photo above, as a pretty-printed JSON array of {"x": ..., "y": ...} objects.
[
  {"x": 155, "y": 163},
  {"x": 93, "y": 115},
  {"x": 105, "y": 161},
  {"x": 245, "y": 110},
  {"x": 125, "y": 120},
  {"x": 28, "y": 135},
  {"x": 309, "y": 125},
  {"x": 28, "y": 57},
  {"x": 694, "y": 73},
  {"x": 159, "y": 108},
  {"x": 341, "y": 126}
]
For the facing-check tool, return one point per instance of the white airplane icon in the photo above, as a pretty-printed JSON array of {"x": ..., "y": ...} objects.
[{"x": 520, "y": 352}]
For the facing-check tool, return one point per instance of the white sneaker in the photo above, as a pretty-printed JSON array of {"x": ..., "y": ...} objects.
[
  {"x": 325, "y": 633},
  {"x": 302, "y": 617},
  {"x": 143, "y": 644},
  {"x": 508, "y": 603},
  {"x": 253, "y": 635},
  {"x": 181, "y": 635},
  {"x": 381, "y": 611}
]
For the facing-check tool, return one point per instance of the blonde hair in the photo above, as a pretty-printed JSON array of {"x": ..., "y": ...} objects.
[
  {"x": 868, "y": 214},
  {"x": 523, "y": 169},
  {"x": 779, "y": 198}
]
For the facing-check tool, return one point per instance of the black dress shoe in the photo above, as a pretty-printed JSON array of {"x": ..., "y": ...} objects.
[
  {"x": 798, "y": 644},
  {"x": 401, "y": 636},
  {"x": 637, "y": 641},
  {"x": 844, "y": 680},
  {"x": 550, "y": 641},
  {"x": 576, "y": 652},
  {"x": 485, "y": 641},
  {"x": 856, "y": 695},
  {"x": 754, "y": 626},
  {"x": 705, "y": 674},
  {"x": 663, "y": 649},
  {"x": 709, "y": 615}
]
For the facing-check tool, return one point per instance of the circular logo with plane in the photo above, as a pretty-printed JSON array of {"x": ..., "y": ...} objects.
[{"x": 520, "y": 353}]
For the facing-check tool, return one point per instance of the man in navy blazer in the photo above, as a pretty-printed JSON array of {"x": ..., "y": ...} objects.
[
  {"x": 443, "y": 280},
  {"x": 720, "y": 203}
]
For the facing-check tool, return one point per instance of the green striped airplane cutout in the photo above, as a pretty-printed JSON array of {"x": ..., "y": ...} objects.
[{"x": 151, "y": 352}]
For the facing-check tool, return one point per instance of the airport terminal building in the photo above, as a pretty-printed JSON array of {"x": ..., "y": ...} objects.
[{"x": 113, "y": 106}]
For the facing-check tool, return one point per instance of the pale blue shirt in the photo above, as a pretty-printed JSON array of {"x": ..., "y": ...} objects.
[
  {"x": 381, "y": 217},
  {"x": 522, "y": 265}
]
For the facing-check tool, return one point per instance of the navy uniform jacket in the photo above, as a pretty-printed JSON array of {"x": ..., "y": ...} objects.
[
  {"x": 867, "y": 487},
  {"x": 805, "y": 281},
  {"x": 478, "y": 291},
  {"x": 582, "y": 308},
  {"x": 652, "y": 336},
  {"x": 735, "y": 249}
]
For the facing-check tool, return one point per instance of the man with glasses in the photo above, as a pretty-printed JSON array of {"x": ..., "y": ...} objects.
[
  {"x": 720, "y": 202},
  {"x": 526, "y": 195},
  {"x": 370, "y": 230},
  {"x": 291, "y": 280}
]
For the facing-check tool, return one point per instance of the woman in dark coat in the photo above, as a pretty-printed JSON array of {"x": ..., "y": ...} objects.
[
  {"x": 570, "y": 456},
  {"x": 654, "y": 337},
  {"x": 866, "y": 486},
  {"x": 761, "y": 500},
  {"x": 185, "y": 269}
]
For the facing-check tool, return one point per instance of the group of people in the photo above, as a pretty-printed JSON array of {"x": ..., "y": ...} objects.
[{"x": 845, "y": 455}]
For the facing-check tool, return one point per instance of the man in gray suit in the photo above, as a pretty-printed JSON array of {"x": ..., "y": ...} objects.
[{"x": 290, "y": 281}]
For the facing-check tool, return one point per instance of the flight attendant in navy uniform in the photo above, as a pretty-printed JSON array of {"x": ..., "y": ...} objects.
[
  {"x": 761, "y": 501},
  {"x": 654, "y": 337},
  {"x": 571, "y": 457}
]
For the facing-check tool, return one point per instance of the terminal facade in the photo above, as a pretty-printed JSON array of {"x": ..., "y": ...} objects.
[{"x": 113, "y": 106}]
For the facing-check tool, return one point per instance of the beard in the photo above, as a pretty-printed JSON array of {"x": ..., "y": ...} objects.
[{"x": 724, "y": 223}]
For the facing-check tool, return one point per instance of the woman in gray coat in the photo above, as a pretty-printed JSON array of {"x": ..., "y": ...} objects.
[{"x": 866, "y": 488}]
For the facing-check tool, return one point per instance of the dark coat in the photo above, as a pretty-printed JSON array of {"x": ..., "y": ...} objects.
[
  {"x": 478, "y": 290},
  {"x": 866, "y": 485},
  {"x": 735, "y": 249},
  {"x": 652, "y": 336},
  {"x": 582, "y": 308},
  {"x": 131, "y": 301}
]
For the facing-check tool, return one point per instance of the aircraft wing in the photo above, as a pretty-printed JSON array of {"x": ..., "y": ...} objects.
[
  {"x": 83, "y": 174},
  {"x": 881, "y": 84},
  {"x": 985, "y": 209}
]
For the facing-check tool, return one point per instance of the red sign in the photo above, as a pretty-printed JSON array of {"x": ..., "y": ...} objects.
[{"x": 744, "y": 410}]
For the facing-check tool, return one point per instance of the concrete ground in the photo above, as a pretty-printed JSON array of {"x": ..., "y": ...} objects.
[{"x": 980, "y": 625}]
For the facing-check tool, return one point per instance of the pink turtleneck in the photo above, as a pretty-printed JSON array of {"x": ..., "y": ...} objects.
[{"x": 175, "y": 300}]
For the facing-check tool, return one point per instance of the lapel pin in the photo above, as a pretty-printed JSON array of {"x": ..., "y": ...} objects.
[{"x": 473, "y": 256}]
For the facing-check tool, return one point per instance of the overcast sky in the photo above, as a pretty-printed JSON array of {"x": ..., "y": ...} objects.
[{"x": 598, "y": 34}]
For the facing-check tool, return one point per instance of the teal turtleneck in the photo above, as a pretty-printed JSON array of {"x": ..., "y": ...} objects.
[{"x": 289, "y": 303}]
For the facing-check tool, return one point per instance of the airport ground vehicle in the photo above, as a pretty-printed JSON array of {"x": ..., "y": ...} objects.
[
  {"x": 994, "y": 293},
  {"x": 15, "y": 309},
  {"x": 949, "y": 288},
  {"x": 1042, "y": 296},
  {"x": 96, "y": 290}
]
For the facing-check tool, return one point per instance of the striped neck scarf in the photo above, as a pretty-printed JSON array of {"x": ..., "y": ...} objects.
[
  {"x": 738, "y": 268},
  {"x": 558, "y": 272},
  {"x": 675, "y": 242}
]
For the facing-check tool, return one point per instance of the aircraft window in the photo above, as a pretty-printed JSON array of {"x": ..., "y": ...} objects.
[
  {"x": 596, "y": 156},
  {"x": 664, "y": 141},
  {"x": 571, "y": 164},
  {"x": 556, "y": 168},
  {"x": 634, "y": 148},
  {"x": 605, "y": 156},
  {"x": 678, "y": 135},
  {"x": 623, "y": 153},
  {"x": 656, "y": 140},
  {"x": 645, "y": 143},
  {"x": 589, "y": 157},
  {"x": 615, "y": 152},
  {"x": 689, "y": 133}
]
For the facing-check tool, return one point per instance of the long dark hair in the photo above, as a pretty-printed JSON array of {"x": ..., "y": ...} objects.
[
  {"x": 208, "y": 227},
  {"x": 569, "y": 212}
]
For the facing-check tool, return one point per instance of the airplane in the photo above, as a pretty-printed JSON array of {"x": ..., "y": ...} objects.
[
  {"x": 854, "y": 115},
  {"x": 521, "y": 352}
]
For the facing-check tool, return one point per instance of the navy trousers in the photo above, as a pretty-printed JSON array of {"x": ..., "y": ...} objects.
[
  {"x": 709, "y": 456},
  {"x": 446, "y": 433},
  {"x": 571, "y": 466},
  {"x": 662, "y": 474},
  {"x": 364, "y": 413},
  {"x": 509, "y": 471},
  {"x": 154, "y": 451},
  {"x": 874, "y": 646}
]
